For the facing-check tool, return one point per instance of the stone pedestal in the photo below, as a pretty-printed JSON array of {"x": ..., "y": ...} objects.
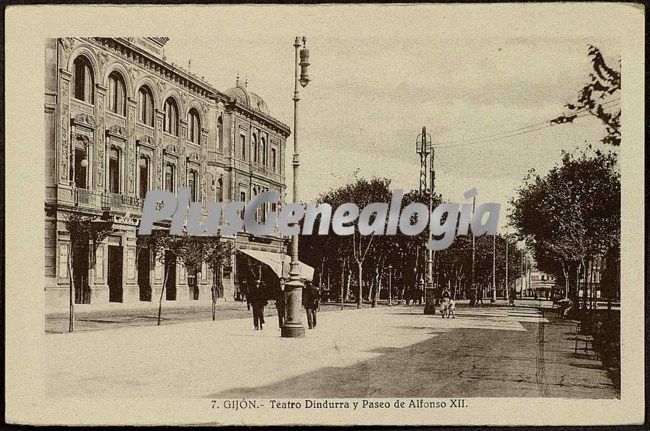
[
  {"x": 293, "y": 327},
  {"x": 429, "y": 301}
]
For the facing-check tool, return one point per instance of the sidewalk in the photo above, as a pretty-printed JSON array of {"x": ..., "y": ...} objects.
[
  {"x": 373, "y": 352},
  {"x": 101, "y": 318}
]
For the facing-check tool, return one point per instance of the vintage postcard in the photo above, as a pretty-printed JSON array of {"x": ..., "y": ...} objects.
[{"x": 376, "y": 214}]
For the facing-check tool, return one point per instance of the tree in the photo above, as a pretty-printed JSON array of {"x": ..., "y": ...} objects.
[
  {"x": 191, "y": 250},
  {"x": 217, "y": 252},
  {"x": 598, "y": 98},
  {"x": 358, "y": 248},
  {"x": 572, "y": 214},
  {"x": 82, "y": 229}
]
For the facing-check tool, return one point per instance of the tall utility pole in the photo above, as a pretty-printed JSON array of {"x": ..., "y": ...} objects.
[
  {"x": 293, "y": 327},
  {"x": 506, "y": 290},
  {"x": 494, "y": 268},
  {"x": 473, "y": 284},
  {"x": 390, "y": 285},
  {"x": 424, "y": 147},
  {"x": 423, "y": 150}
]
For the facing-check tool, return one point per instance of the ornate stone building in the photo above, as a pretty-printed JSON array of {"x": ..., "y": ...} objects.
[{"x": 121, "y": 120}]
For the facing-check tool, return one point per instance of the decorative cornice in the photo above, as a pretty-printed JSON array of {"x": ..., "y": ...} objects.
[
  {"x": 117, "y": 130},
  {"x": 84, "y": 120},
  {"x": 261, "y": 117}
]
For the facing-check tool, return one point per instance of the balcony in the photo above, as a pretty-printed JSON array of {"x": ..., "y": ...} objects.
[
  {"x": 86, "y": 198},
  {"x": 120, "y": 202}
]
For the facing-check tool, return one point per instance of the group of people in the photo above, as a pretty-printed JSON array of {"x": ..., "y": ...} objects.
[
  {"x": 447, "y": 305},
  {"x": 257, "y": 300}
]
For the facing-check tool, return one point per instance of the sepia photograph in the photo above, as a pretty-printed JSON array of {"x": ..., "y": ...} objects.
[{"x": 335, "y": 215}]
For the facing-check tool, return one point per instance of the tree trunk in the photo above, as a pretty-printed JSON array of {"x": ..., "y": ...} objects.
[
  {"x": 70, "y": 274},
  {"x": 359, "y": 297},
  {"x": 375, "y": 289},
  {"x": 214, "y": 297},
  {"x": 566, "y": 280},
  {"x": 347, "y": 284},
  {"x": 162, "y": 292},
  {"x": 343, "y": 285},
  {"x": 577, "y": 281}
]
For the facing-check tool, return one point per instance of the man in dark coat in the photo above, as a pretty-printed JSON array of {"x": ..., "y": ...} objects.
[
  {"x": 258, "y": 302},
  {"x": 310, "y": 299}
]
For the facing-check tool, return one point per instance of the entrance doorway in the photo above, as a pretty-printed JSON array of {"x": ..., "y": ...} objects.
[
  {"x": 193, "y": 283},
  {"x": 80, "y": 273},
  {"x": 144, "y": 267},
  {"x": 115, "y": 273},
  {"x": 170, "y": 288}
]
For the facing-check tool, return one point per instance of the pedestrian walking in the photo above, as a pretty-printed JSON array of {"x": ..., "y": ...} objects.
[
  {"x": 279, "y": 305},
  {"x": 247, "y": 294},
  {"x": 258, "y": 302},
  {"x": 444, "y": 304},
  {"x": 479, "y": 294},
  {"x": 451, "y": 309},
  {"x": 310, "y": 300}
]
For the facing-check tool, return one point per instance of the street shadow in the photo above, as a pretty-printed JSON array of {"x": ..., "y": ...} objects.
[
  {"x": 410, "y": 313},
  {"x": 385, "y": 375},
  {"x": 588, "y": 366},
  {"x": 99, "y": 321},
  {"x": 383, "y": 350}
]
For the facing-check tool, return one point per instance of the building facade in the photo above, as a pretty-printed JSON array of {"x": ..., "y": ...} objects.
[{"x": 120, "y": 120}]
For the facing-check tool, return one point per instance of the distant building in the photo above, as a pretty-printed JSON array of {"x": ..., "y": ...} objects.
[
  {"x": 119, "y": 121},
  {"x": 541, "y": 284}
]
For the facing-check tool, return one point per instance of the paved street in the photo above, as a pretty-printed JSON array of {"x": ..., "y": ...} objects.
[{"x": 381, "y": 352}]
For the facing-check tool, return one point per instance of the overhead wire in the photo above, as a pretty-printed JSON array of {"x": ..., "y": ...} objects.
[{"x": 582, "y": 112}]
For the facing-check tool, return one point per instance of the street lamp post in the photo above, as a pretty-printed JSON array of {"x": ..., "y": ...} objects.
[
  {"x": 293, "y": 327},
  {"x": 424, "y": 147}
]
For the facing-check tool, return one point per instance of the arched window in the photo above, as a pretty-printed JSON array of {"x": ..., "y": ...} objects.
[
  {"x": 116, "y": 94},
  {"x": 220, "y": 131},
  {"x": 145, "y": 106},
  {"x": 170, "y": 125},
  {"x": 254, "y": 149},
  {"x": 83, "y": 80},
  {"x": 194, "y": 125}
]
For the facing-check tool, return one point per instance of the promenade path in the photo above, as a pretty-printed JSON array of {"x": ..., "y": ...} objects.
[{"x": 492, "y": 351}]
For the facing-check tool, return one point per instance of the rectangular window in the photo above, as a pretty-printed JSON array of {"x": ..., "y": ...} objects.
[
  {"x": 144, "y": 176},
  {"x": 114, "y": 171},
  {"x": 80, "y": 171},
  {"x": 191, "y": 184},
  {"x": 274, "y": 159},
  {"x": 169, "y": 177},
  {"x": 242, "y": 139}
]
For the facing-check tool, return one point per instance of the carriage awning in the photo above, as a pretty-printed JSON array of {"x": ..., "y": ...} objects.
[{"x": 279, "y": 263}]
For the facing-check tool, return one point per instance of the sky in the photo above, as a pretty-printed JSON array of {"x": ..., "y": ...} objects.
[{"x": 378, "y": 74}]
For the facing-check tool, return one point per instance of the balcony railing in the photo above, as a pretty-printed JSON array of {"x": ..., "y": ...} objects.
[
  {"x": 123, "y": 202},
  {"x": 105, "y": 201}
]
